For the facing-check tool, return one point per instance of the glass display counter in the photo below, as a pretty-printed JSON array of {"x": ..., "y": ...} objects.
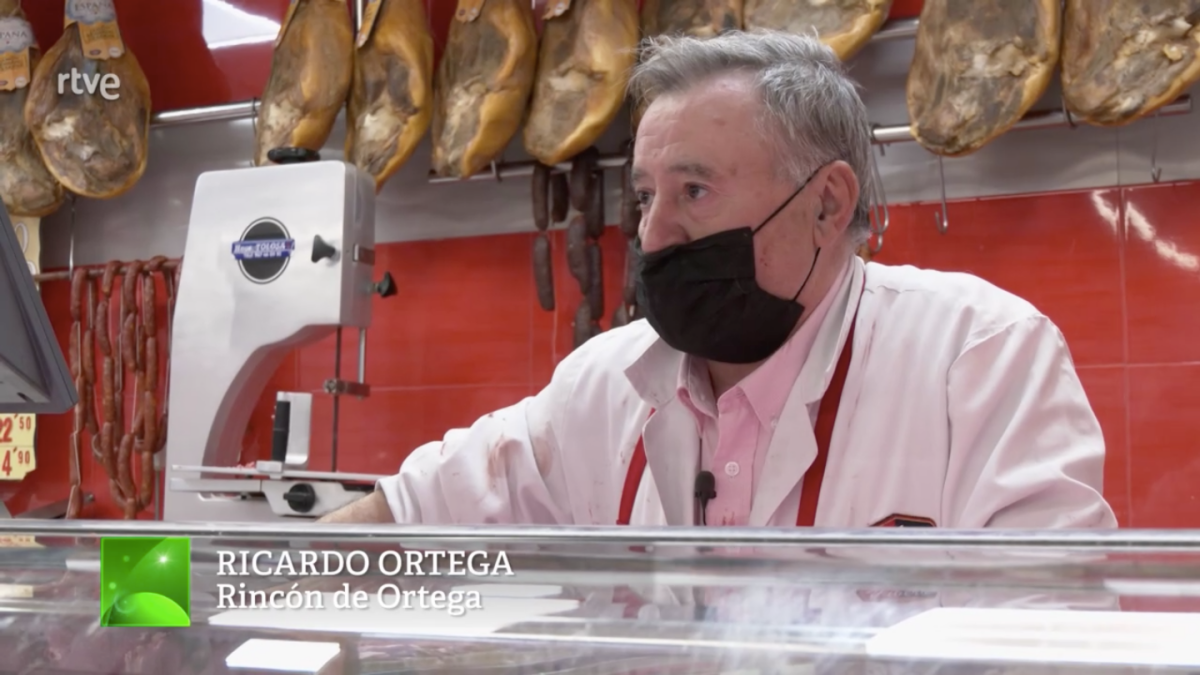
[{"x": 610, "y": 601}]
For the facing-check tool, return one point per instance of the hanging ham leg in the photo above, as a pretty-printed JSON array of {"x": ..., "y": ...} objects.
[
  {"x": 94, "y": 146},
  {"x": 698, "y": 18},
  {"x": 311, "y": 71},
  {"x": 391, "y": 100},
  {"x": 26, "y": 187},
  {"x": 845, "y": 25},
  {"x": 587, "y": 52},
  {"x": 482, "y": 85},
  {"x": 1124, "y": 59},
  {"x": 978, "y": 68}
]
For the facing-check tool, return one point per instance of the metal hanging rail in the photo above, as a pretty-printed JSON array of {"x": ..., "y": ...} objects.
[
  {"x": 893, "y": 30},
  {"x": 212, "y": 113},
  {"x": 898, "y": 29},
  {"x": 880, "y": 136},
  {"x": 96, "y": 271}
]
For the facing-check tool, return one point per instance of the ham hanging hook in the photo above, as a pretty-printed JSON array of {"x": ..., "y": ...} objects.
[
  {"x": 71, "y": 242},
  {"x": 1155, "y": 169},
  {"x": 942, "y": 218},
  {"x": 879, "y": 210},
  {"x": 1067, "y": 116}
]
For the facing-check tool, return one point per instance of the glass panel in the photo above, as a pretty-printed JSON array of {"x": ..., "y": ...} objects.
[{"x": 615, "y": 600}]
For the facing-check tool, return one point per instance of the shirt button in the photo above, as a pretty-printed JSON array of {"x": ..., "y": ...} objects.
[
  {"x": 774, "y": 422},
  {"x": 732, "y": 469}
]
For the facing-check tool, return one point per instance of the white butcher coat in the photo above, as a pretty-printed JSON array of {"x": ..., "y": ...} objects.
[{"x": 961, "y": 405}]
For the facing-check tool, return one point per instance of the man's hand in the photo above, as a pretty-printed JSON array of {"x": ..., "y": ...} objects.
[{"x": 370, "y": 509}]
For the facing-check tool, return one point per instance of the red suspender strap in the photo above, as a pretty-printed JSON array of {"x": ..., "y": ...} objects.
[
  {"x": 810, "y": 493},
  {"x": 633, "y": 479}
]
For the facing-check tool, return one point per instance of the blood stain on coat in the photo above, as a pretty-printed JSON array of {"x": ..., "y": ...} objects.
[
  {"x": 542, "y": 457},
  {"x": 495, "y": 463}
]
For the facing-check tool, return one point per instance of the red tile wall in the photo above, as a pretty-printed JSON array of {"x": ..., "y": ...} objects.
[{"x": 1115, "y": 269}]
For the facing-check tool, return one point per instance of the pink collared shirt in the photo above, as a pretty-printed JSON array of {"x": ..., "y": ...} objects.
[{"x": 735, "y": 433}]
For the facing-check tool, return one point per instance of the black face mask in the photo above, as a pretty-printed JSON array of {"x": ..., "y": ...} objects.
[{"x": 703, "y": 299}]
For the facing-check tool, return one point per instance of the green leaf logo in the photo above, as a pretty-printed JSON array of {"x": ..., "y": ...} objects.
[{"x": 145, "y": 582}]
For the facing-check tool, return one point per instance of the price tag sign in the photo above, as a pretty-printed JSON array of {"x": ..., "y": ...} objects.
[
  {"x": 17, "y": 457},
  {"x": 16, "y": 591},
  {"x": 19, "y": 541}
]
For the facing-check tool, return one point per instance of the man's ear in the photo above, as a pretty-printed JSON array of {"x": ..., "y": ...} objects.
[{"x": 837, "y": 199}]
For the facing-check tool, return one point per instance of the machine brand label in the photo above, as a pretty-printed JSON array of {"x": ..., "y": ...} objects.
[
  {"x": 254, "y": 250},
  {"x": 264, "y": 250}
]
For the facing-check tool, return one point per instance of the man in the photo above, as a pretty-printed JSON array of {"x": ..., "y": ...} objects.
[{"x": 777, "y": 380}]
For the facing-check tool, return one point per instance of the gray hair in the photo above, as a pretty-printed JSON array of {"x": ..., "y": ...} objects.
[{"x": 811, "y": 107}]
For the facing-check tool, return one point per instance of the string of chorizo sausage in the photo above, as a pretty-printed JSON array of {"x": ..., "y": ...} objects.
[
  {"x": 129, "y": 352},
  {"x": 543, "y": 184},
  {"x": 584, "y": 260},
  {"x": 631, "y": 217}
]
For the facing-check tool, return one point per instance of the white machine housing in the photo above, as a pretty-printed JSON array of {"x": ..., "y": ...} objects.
[{"x": 276, "y": 257}]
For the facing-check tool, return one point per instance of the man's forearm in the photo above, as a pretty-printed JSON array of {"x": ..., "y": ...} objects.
[{"x": 370, "y": 509}]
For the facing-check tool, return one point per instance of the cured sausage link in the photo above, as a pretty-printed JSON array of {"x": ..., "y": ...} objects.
[
  {"x": 153, "y": 426},
  {"x": 543, "y": 273},
  {"x": 78, "y": 280},
  {"x": 631, "y": 218},
  {"x": 88, "y": 365},
  {"x": 583, "y": 245},
  {"x": 594, "y": 292},
  {"x": 172, "y": 285},
  {"x": 109, "y": 377},
  {"x": 131, "y": 365}
]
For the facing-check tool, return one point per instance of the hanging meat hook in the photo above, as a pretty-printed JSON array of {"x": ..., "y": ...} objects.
[
  {"x": 1155, "y": 169},
  {"x": 879, "y": 209},
  {"x": 942, "y": 218}
]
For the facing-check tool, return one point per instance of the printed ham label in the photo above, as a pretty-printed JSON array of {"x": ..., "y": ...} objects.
[
  {"x": 98, "y": 29},
  {"x": 16, "y": 37}
]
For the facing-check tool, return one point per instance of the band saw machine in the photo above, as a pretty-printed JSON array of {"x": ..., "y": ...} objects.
[{"x": 276, "y": 257}]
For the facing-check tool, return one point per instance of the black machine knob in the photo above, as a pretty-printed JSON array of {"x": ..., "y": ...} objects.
[
  {"x": 293, "y": 155},
  {"x": 302, "y": 498},
  {"x": 321, "y": 249},
  {"x": 386, "y": 287}
]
